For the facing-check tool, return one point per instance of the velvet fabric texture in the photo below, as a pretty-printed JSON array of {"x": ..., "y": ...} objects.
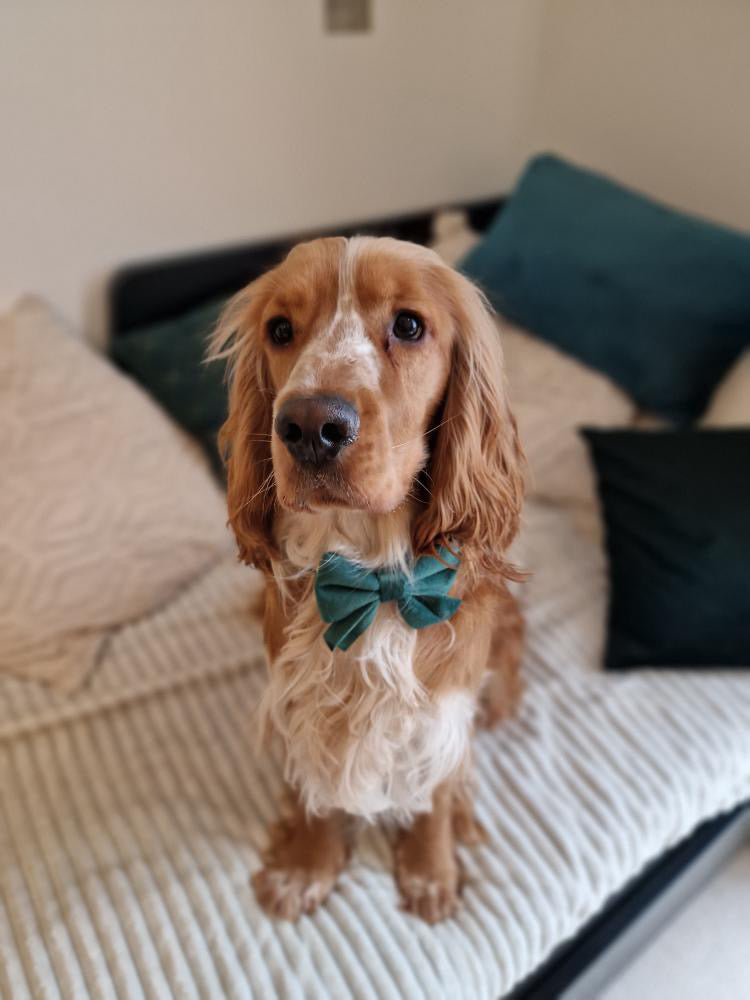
[
  {"x": 657, "y": 300},
  {"x": 349, "y": 594},
  {"x": 678, "y": 537}
]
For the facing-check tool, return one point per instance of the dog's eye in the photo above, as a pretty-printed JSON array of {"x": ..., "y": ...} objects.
[
  {"x": 407, "y": 326},
  {"x": 280, "y": 330}
]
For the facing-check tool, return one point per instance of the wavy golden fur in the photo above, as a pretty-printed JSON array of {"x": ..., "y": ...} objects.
[
  {"x": 383, "y": 728},
  {"x": 474, "y": 474},
  {"x": 246, "y": 435}
]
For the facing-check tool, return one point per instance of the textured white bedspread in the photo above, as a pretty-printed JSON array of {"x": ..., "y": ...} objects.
[{"x": 133, "y": 813}]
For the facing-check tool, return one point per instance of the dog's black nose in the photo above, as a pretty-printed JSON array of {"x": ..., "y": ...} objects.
[{"x": 316, "y": 428}]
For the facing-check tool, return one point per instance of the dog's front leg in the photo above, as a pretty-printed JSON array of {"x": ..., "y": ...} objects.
[
  {"x": 426, "y": 866},
  {"x": 303, "y": 862}
]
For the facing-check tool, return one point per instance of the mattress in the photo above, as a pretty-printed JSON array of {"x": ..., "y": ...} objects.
[{"x": 134, "y": 811}]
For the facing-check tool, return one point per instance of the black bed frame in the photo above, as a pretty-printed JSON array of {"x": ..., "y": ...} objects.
[
  {"x": 155, "y": 290},
  {"x": 147, "y": 292}
]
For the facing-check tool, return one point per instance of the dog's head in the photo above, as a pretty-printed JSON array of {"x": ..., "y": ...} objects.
[{"x": 365, "y": 372}]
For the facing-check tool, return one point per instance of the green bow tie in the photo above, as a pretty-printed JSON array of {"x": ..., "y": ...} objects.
[{"x": 348, "y": 594}]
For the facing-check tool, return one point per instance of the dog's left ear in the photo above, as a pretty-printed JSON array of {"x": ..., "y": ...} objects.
[{"x": 474, "y": 481}]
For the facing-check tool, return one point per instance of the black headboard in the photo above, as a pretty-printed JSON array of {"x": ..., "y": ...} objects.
[{"x": 155, "y": 290}]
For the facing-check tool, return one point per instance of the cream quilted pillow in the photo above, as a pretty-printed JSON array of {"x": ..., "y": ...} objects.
[
  {"x": 552, "y": 396},
  {"x": 106, "y": 508}
]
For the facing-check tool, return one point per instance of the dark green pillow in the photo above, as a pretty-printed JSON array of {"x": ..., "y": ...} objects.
[
  {"x": 677, "y": 514},
  {"x": 167, "y": 360},
  {"x": 657, "y": 300}
]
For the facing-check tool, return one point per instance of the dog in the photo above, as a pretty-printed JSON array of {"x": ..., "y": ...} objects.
[{"x": 369, "y": 441}]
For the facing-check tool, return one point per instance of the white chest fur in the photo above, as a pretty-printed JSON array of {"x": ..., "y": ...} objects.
[{"x": 360, "y": 732}]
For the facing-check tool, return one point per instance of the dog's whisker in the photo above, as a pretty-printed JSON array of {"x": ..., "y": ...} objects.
[
  {"x": 419, "y": 436},
  {"x": 264, "y": 487}
]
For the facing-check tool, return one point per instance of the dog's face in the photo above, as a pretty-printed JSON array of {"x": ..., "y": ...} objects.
[
  {"x": 365, "y": 372},
  {"x": 356, "y": 341}
]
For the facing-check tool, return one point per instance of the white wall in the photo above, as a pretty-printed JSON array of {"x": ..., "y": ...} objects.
[
  {"x": 133, "y": 128},
  {"x": 139, "y": 128},
  {"x": 654, "y": 92}
]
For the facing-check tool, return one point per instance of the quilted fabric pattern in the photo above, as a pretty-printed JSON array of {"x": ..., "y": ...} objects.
[
  {"x": 106, "y": 507},
  {"x": 133, "y": 813}
]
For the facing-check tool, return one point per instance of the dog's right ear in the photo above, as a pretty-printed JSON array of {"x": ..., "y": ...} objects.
[{"x": 245, "y": 438}]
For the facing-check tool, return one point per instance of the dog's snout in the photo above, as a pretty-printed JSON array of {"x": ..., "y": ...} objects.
[{"x": 316, "y": 428}]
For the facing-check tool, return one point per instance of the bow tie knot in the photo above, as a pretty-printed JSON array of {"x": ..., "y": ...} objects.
[
  {"x": 349, "y": 594},
  {"x": 393, "y": 585}
]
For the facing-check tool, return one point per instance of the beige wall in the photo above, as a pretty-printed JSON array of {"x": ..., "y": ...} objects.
[
  {"x": 140, "y": 128},
  {"x": 655, "y": 92},
  {"x": 132, "y": 129}
]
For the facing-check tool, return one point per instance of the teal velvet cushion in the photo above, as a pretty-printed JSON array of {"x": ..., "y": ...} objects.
[
  {"x": 167, "y": 359},
  {"x": 657, "y": 300},
  {"x": 676, "y": 507}
]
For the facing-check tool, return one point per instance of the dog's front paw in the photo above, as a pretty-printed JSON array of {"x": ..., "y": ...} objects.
[
  {"x": 432, "y": 898},
  {"x": 301, "y": 864},
  {"x": 428, "y": 879},
  {"x": 287, "y": 893}
]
